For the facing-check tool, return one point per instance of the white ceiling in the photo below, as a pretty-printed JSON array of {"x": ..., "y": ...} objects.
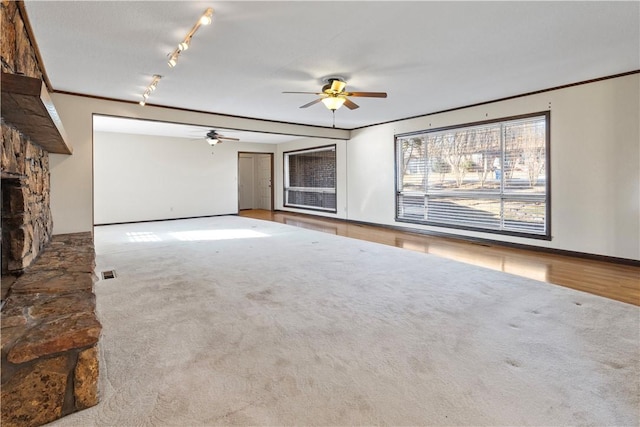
[
  {"x": 428, "y": 56},
  {"x": 178, "y": 130}
]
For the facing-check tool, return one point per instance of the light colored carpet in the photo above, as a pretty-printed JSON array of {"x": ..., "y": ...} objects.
[{"x": 231, "y": 320}]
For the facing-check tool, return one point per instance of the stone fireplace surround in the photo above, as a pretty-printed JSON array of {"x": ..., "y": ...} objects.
[
  {"x": 50, "y": 332},
  {"x": 26, "y": 216},
  {"x": 49, "y": 329}
]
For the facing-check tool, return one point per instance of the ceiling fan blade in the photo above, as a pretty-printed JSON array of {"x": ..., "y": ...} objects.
[
  {"x": 315, "y": 101},
  {"x": 350, "y": 104},
  {"x": 310, "y": 93},
  {"x": 337, "y": 86},
  {"x": 227, "y": 138},
  {"x": 367, "y": 94}
]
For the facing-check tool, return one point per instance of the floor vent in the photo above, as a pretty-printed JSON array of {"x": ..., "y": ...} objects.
[{"x": 109, "y": 274}]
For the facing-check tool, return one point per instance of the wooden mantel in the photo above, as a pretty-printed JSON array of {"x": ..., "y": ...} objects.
[{"x": 27, "y": 106}]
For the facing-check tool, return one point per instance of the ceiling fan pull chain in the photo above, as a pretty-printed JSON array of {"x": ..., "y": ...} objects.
[{"x": 334, "y": 118}]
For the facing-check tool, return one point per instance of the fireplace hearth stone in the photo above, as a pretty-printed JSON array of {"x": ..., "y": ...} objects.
[{"x": 50, "y": 335}]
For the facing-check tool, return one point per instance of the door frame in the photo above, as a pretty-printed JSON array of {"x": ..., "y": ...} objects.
[{"x": 271, "y": 170}]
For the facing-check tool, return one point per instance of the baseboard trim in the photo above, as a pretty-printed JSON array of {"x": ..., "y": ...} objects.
[{"x": 165, "y": 219}]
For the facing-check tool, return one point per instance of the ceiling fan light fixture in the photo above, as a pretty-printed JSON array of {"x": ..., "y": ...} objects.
[
  {"x": 336, "y": 85},
  {"x": 333, "y": 102},
  {"x": 213, "y": 141}
]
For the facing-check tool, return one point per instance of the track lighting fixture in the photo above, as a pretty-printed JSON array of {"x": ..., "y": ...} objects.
[
  {"x": 152, "y": 86},
  {"x": 205, "y": 19}
]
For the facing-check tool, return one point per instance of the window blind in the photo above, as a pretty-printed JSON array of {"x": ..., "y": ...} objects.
[
  {"x": 491, "y": 176},
  {"x": 310, "y": 178}
]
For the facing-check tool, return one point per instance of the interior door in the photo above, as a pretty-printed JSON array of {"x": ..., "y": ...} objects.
[
  {"x": 263, "y": 181},
  {"x": 246, "y": 180}
]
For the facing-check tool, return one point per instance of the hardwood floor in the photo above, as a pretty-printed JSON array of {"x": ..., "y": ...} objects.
[{"x": 610, "y": 280}]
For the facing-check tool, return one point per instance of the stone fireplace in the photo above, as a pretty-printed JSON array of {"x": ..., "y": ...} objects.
[
  {"x": 26, "y": 215},
  {"x": 49, "y": 328}
]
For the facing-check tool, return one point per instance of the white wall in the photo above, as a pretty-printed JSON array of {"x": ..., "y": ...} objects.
[
  {"x": 595, "y": 165},
  {"x": 595, "y": 162},
  {"x": 341, "y": 174},
  {"x": 139, "y": 178},
  {"x": 72, "y": 176}
]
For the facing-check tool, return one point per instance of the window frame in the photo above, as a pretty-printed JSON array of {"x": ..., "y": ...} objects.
[
  {"x": 398, "y": 179},
  {"x": 285, "y": 178}
]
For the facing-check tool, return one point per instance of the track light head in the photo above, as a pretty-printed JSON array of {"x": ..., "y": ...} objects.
[
  {"x": 184, "y": 45},
  {"x": 154, "y": 83},
  {"x": 206, "y": 17}
]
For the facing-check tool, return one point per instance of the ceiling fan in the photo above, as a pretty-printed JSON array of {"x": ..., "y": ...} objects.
[
  {"x": 333, "y": 95},
  {"x": 213, "y": 137}
]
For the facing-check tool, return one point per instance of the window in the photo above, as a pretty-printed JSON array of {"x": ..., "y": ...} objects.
[
  {"x": 310, "y": 179},
  {"x": 492, "y": 176}
]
